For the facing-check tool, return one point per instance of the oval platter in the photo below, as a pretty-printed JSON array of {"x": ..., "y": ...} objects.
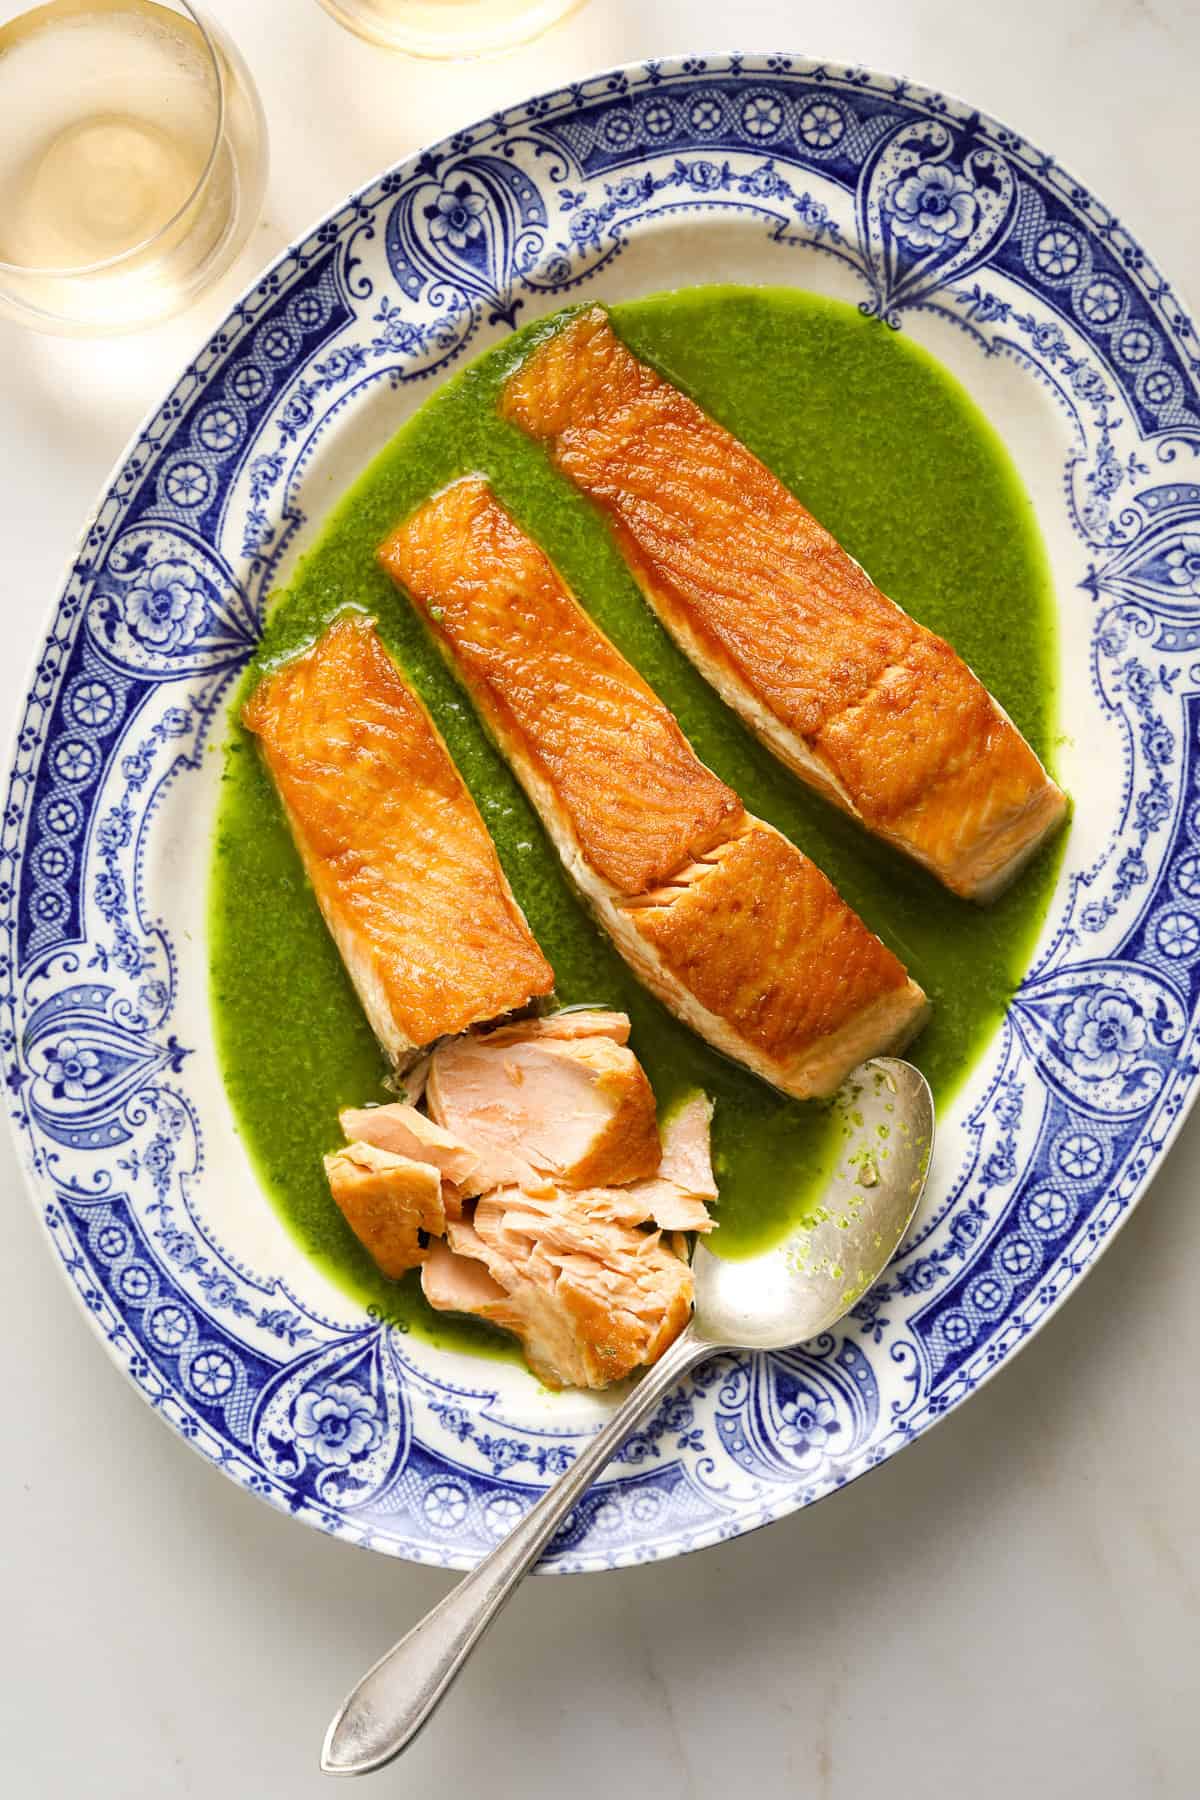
[{"x": 739, "y": 168}]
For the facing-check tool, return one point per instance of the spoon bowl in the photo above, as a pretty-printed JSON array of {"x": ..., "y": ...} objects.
[
  {"x": 787, "y": 1294},
  {"x": 802, "y": 1285}
]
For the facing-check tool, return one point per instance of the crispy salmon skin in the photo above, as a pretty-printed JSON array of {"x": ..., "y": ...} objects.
[
  {"x": 638, "y": 799},
  {"x": 849, "y": 692},
  {"x": 399, "y": 859},
  {"x": 728, "y": 923},
  {"x": 764, "y": 942}
]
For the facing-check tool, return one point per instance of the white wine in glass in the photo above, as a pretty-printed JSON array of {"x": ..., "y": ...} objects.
[
  {"x": 449, "y": 28},
  {"x": 132, "y": 161}
]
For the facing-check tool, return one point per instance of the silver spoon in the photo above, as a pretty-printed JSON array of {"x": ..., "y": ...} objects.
[{"x": 788, "y": 1294}]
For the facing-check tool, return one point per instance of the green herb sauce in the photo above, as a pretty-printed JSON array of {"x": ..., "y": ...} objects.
[{"x": 890, "y": 453}]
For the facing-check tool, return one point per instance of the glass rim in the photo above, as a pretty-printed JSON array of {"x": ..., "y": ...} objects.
[
  {"x": 76, "y": 271},
  {"x": 369, "y": 29}
]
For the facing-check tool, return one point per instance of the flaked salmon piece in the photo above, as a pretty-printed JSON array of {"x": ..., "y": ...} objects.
[
  {"x": 455, "y": 1203},
  {"x": 399, "y": 859},
  {"x": 848, "y": 691},
  {"x": 406, "y": 1132},
  {"x": 642, "y": 1203},
  {"x": 453, "y": 1281},
  {"x": 577, "y": 1110},
  {"x": 676, "y": 1197},
  {"x": 410, "y": 1083},
  {"x": 627, "y": 1296},
  {"x": 590, "y": 1300},
  {"x": 472, "y": 573},
  {"x": 570, "y": 1022},
  {"x": 561, "y": 697},
  {"x": 392, "y": 1204},
  {"x": 687, "y": 1148}
]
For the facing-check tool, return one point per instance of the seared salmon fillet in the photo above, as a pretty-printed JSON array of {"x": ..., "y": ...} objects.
[
  {"x": 641, "y": 825},
  {"x": 559, "y": 693},
  {"x": 399, "y": 859},
  {"x": 849, "y": 692},
  {"x": 760, "y": 940}
]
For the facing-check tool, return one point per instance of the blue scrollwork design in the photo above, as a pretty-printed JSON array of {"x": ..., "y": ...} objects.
[
  {"x": 931, "y": 207},
  {"x": 1105, "y": 1035},
  {"x": 335, "y": 1422},
  {"x": 166, "y": 605},
  {"x": 471, "y": 229},
  {"x": 1158, "y": 566},
  {"x": 91, "y": 1067},
  {"x": 799, "y": 1414}
]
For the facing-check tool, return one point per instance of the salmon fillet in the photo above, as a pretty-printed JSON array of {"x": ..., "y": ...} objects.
[
  {"x": 848, "y": 691},
  {"x": 561, "y": 693},
  {"x": 787, "y": 979},
  {"x": 761, "y": 940},
  {"x": 399, "y": 859}
]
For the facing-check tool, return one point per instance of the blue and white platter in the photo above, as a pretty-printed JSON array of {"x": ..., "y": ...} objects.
[{"x": 742, "y": 168}]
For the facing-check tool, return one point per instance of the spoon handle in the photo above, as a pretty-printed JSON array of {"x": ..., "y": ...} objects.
[{"x": 392, "y": 1702}]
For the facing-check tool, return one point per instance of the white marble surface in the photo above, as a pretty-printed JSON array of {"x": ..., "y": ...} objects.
[{"x": 1011, "y": 1607}]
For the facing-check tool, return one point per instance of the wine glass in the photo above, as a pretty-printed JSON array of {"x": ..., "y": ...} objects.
[
  {"x": 133, "y": 157},
  {"x": 449, "y": 28}
]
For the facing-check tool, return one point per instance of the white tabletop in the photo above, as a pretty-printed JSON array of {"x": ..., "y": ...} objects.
[{"x": 1011, "y": 1607}]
